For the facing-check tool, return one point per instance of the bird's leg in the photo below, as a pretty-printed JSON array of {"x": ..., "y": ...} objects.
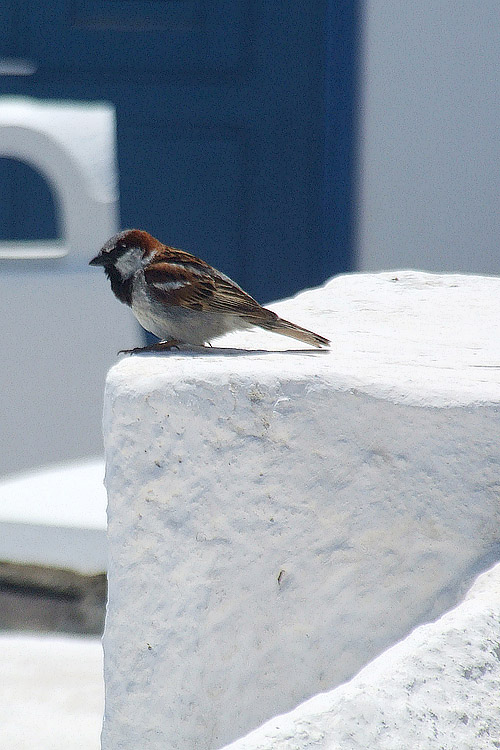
[{"x": 158, "y": 347}]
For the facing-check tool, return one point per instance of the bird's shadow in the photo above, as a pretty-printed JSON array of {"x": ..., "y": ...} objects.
[{"x": 211, "y": 351}]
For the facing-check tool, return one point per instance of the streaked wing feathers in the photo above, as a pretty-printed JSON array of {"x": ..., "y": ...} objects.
[{"x": 196, "y": 286}]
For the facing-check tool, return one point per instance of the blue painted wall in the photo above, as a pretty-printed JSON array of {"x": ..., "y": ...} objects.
[{"x": 236, "y": 125}]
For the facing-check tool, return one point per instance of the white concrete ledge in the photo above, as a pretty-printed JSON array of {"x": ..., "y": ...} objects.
[
  {"x": 55, "y": 517},
  {"x": 436, "y": 689},
  {"x": 276, "y": 520}
]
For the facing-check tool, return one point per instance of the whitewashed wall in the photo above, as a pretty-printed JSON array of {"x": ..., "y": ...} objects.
[
  {"x": 277, "y": 519},
  {"x": 438, "y": 688}
]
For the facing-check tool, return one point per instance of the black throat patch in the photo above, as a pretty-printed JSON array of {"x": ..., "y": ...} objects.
[{"x": 122, "y": 288}]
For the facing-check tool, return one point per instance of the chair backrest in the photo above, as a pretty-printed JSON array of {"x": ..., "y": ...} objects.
[{"x": 61, "y": 327}]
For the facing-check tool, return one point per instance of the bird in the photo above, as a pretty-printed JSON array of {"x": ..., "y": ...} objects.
[{"x": 182, "y": 299}]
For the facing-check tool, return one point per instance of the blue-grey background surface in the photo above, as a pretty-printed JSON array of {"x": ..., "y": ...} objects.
[{"x": 429, "y": 165}]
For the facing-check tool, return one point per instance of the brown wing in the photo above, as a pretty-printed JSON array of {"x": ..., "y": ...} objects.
[
  {"x": 174, "y": 255},
  {"x": 197, "y": 286}
]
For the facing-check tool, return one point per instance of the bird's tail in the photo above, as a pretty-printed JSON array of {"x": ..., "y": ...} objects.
[{"x": 279, "y": 325}]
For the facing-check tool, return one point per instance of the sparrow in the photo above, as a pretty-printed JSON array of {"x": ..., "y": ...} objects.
[{"x": 181, "y": 298}]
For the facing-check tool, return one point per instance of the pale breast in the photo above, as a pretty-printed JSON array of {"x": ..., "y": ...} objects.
[{"x": 172, "y": 322}]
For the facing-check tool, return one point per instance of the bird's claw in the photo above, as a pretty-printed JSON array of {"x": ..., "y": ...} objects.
[{"x": 160, "y": 346}]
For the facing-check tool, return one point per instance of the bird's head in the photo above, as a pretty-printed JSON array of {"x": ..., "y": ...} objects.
[{"x": 125, "y": 253}]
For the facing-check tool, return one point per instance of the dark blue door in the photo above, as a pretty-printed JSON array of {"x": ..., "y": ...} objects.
[{"x": 235, "y": 123}]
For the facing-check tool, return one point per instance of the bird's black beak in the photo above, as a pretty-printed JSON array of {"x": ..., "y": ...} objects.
[{"x": 99, "y": 260}]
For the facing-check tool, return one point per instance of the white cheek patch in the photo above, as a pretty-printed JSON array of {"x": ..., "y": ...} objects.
[{"x": 130, "y": 262}]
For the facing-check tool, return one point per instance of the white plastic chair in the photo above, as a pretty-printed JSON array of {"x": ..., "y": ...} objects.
[{"x": 61, "y": 326}]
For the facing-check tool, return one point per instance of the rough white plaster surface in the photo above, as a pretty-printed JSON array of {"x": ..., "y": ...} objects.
[
  {"x": 276, "y": 520},
  {"x": 51, "y": 692},
  {"x": 439, "y": 689}
]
